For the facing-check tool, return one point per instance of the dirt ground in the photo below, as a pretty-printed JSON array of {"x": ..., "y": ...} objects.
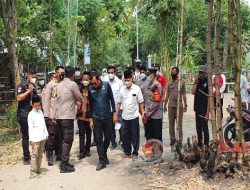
[{"x": 121, "y": 174}]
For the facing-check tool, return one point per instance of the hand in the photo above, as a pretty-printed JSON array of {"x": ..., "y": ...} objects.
[
  {"x": 53, "y": 120},
  {"x": 115, "y": 118},
  {"x": 207, "y": 117},
  {"x": 196, "y": 78},
  {"x": 144, "y": 119},
  {"x": 185, "y": 109},
  {"x": 31, "y": 88},
  {"x": 165, "y": 109},
  {"x": 91, "y": 124}
]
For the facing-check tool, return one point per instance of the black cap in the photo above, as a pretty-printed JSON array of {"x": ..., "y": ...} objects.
[{"x": 152, "y": 70}]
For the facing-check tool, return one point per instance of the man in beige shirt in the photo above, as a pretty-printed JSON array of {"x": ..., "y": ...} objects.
[
  {"x": 172, "y": 102},
  {"x": 68, "y": 95},
  {"x": 49, "y": 103}
]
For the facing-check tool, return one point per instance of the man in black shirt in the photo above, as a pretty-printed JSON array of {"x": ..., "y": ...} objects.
[
  {"x": 201, "y": 105},
  {"x": 25, "y": 91}
]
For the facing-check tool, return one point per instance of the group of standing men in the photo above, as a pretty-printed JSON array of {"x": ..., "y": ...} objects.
[{"x": 98, "y": 104}]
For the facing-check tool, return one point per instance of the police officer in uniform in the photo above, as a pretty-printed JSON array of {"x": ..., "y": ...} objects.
[
  {"x": 68, "y": 96},
  {"x": 49, "y": 114},
  {"x": 25, "y": 91}
]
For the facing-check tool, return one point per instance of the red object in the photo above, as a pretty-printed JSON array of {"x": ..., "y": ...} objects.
[
  {"x": 221, "y": 82},
  {"x": 162, "y": 80},
  {"x": 157, "y": 95}
]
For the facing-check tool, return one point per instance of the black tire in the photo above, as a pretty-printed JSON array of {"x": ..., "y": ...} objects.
[{"x": 230, "y": 134}]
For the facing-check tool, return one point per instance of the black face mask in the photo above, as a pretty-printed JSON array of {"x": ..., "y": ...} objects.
[
  {"x": 61, "y": 76},
  {"x": 174, "y": 76}
]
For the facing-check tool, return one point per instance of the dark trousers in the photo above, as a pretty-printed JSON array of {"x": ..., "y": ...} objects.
[
  {"x": 221, "y": 106},
  {"x": 113, "y": 139},
  {"x": 52, "y": 143},
  {"x": 66, "y": 127},
  {"x": 23, "y": 122},
  {"x": 102, "y": 137},
  {"x": 153, "y": 129},
  {"x": 131, "y": 135},
  {"x": 84, "y": 136},
  {"x": 202, "y": 129}
]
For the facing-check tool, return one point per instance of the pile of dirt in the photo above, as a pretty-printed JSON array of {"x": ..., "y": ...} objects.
[{"x": 175, "y": 175}]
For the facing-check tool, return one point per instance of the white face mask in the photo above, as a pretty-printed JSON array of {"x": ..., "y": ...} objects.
[
  {"x": 143, "y": 75},
  {"x": 128, "y": 83},
  {"x": 41, "y": 82},
  {"x": 111, "y": 76},
  {"x": 77, "y": 73},
  {"x": 85, "y": 83},
  {"x": 33, "y": 80}
]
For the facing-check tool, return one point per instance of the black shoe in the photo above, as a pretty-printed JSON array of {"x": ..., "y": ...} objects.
[
  {"x": 70, "y": 165},
  {"x": 66, "y": 169},
  {"x": 26, "y": 161},
  {"x": 50, "y": 157},
  {"x": 81, "y": 156},
  {"x": 100, "y": 166},
  {"x": 88, "y": 154},
  {"x": 106, "y": 160}
]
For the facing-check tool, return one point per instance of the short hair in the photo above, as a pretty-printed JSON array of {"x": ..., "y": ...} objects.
[
  {"x": 111, "y": 67},
  {"x": 32, "y": 72},
  {"x": 128, "y": 74},
  {"x": 143, "y": 68},
  {"x": 35, "y": 99},
  {"x": 131, "y": 69},
  {"x": 94, "y": 74},
  {"x": 69, "y": 71},
  {"x": 59, "y": 67},
  {"x": 86, "y": 73},
  {"x": 177, "y": 69}
]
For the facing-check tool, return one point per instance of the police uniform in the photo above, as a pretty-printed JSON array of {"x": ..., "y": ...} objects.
[
  {"x": 154, "y": 112},
  {"x": 49, "y": 114},
  {"x": 23, "y": 109},
  {"x": 65, "y": 111},
  {"x": 172, "y": 90}
]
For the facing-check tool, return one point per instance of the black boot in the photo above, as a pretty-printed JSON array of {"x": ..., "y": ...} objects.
[
  {"x": 50, "y": 157},
  {"x": 66, "y": 168},
  {"x": 100, "y": 166}
]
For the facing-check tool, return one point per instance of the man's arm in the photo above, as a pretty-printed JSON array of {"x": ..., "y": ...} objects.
[
  {"x": 167, "y": 98},
  {"x": 47, "y": 98},
  {"x": 21, "y": 96},
  {"x": 194, "y": 88},
  {"x": 77, "y": 94},
  {"x": 184, "y": 97},
  {"x": 223, "y": 86},
  {"x": 112, "y": 101}
]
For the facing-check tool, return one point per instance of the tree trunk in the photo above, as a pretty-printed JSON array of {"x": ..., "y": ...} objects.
[
  {"x": 218, "y": 66},
  {"x": 209, "y": 64},
  {"x": 238, "y": 105},
  {"x": 179, "y": 80},
  {"x": 9, "y": 20}
]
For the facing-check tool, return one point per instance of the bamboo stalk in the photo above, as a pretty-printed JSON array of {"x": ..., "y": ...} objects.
[
  {"x": 238, "y": 122},
  {"x": 209, "y": 64},
  {"x": 179, "y": 76},
  {"x": 218, "y": 69}
]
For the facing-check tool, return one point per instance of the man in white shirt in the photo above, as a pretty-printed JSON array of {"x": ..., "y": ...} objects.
[
  {"x": 131, "y": 99},
  {"x": 222, "y": 87},
  {"x": 37, "y": 135},
  {"x": 244, "y": 90},
  {"x": 116, "y": 85}
]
